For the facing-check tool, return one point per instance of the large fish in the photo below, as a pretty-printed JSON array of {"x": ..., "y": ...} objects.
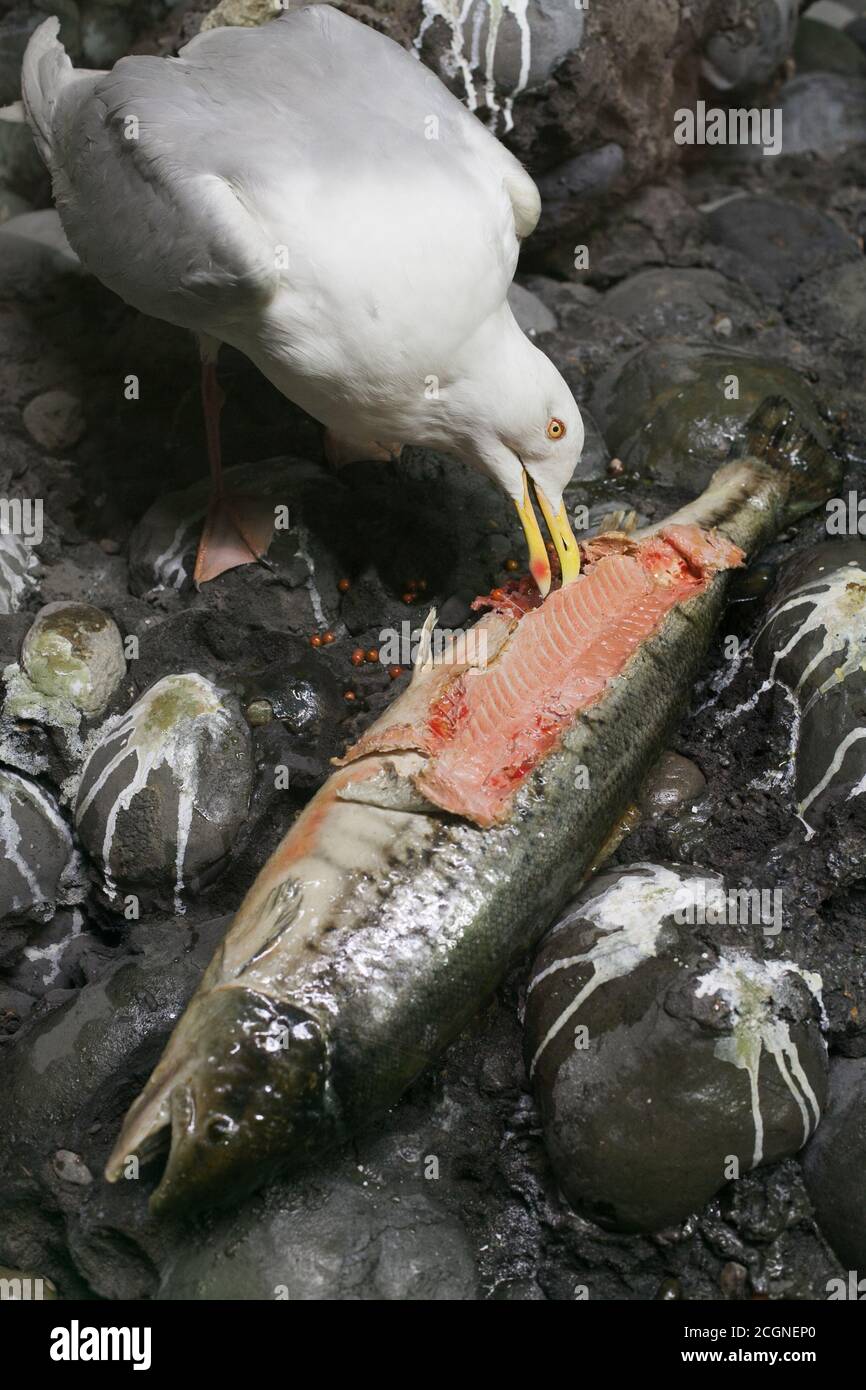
[{"x": 448, "y": 839}]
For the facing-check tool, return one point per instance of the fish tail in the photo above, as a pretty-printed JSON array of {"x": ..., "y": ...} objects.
[
  {"x": 45, "y": 71},
  {"x": 778, "y": 437}
]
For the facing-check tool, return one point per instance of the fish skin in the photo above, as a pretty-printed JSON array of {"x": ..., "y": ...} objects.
[{"x": 324, "y": 1002}]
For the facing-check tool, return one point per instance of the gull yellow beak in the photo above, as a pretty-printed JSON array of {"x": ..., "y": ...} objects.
[
  {"x": 562, "y": 536},
  {"x": 539, "y": 561}
]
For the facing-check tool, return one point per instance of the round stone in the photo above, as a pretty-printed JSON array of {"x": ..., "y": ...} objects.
[
  {"x": 74, "y": 652},
  {"x": 166, "y": 787},
  {"x": 663, "y": 1066},
  {"x": 39, "y": 867}
]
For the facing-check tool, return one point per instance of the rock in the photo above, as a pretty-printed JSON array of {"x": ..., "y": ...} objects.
[
  {"x": 352, "y": 1243},
  {"x": 166, "y": 787},
  {"x": 18, "y": 560},
  {"x": 831, "y": 306},
  {"x": 11, "y": 205},
  {"x": 35, "y": 257},
  {"x": 593, "y": 461},
  {"x": 821, "y": 48},
  {"x": 106, "y": 34},
  {"x": 772, "y": 244},
  {"x": 15, "y": 1005},
  {"x": 74, "y": 652},
  {"x": 833, "y": 1165},
  {"x": 55, "y": 956},
  {"x": 69, "y": 1168},
  {"x": 570, "y": 189},
  {"x": 681, "y": 303},
  {"x": 856, "y": 31},
  {"x": 241, "y": 13},
  {"x": 40, "y": 868},
  {"x": 55, "y": 420},
  {"x": 822, "y": 113},
  {"x": 746, "y": 54},
  {"x": 832, "y": 12},
  {"x": 162, "y": 548},
  {"x": 532, "y": 315},
  {"x": 519, "y": 66},
  {"x": 665, "y": 413},
  {"x": 521, "y": 48},
  {"x": 671, "y": 782},
  {"x": 655, "y": 1060},
  {"x": 304, "y": 697},
  {"x": 69, "y": 1075},
  {"x": 813, "y": 643}
]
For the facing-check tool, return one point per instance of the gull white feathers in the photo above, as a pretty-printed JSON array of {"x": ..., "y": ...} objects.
[{"x": 310, "y": 193}]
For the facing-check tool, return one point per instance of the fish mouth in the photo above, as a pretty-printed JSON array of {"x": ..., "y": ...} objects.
[{"x": 239, "y": 1093}]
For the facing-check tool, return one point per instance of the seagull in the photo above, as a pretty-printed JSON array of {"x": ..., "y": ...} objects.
[{"x": 309, "y": 193}]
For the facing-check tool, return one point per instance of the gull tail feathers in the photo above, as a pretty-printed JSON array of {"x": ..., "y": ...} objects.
[{"x": 45, "y": 71}]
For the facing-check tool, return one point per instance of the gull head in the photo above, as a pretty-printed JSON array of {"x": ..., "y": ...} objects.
[{"x": 518, "y": 421}]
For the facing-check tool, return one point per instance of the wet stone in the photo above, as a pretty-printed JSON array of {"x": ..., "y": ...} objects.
[
  {"x": 673, "y": 781},
  {"x": 656, "y": 1059},
  {"x": 834, "y": 1164},
  {"x": 74, "y": 652},
  {"x": 665, "y": 412},
  {"x": 813, "y": 643},
  {"x": 397, "y": 1245},
  {"x": 40, "y": 867},
  {"x": 166, "y": 788}
]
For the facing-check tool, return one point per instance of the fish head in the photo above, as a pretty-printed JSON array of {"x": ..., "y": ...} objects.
[{"x": 242, "y": 1084}]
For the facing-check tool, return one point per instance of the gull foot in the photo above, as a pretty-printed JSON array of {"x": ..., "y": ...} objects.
[{"x": 237, "y": 531}]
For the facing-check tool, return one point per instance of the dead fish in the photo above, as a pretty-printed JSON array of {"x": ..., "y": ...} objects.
[{"x": 452, "y": 834}]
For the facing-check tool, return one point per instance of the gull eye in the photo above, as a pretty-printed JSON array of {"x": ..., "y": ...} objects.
[{"x": 555, "y": 429}]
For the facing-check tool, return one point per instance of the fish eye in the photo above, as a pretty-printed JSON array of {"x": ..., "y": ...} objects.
[{"x": 555, "y": 429}]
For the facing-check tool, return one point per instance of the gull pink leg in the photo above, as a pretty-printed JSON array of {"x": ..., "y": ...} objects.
[{"x": 237, "y": 529}]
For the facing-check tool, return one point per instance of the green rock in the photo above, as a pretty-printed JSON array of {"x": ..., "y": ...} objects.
[
  {"x": 74, "y": 652},
  {"x": 820, "y": 48}
]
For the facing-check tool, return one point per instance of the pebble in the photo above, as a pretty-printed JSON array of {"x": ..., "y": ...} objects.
[
  {"x": 55, "y": 420},
  {"x": 70, "y": 1168},
  {"x": 671, "y": 782}
]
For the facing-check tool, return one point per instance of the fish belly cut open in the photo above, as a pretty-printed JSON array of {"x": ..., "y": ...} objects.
[{"x": 484, "y": 728}]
